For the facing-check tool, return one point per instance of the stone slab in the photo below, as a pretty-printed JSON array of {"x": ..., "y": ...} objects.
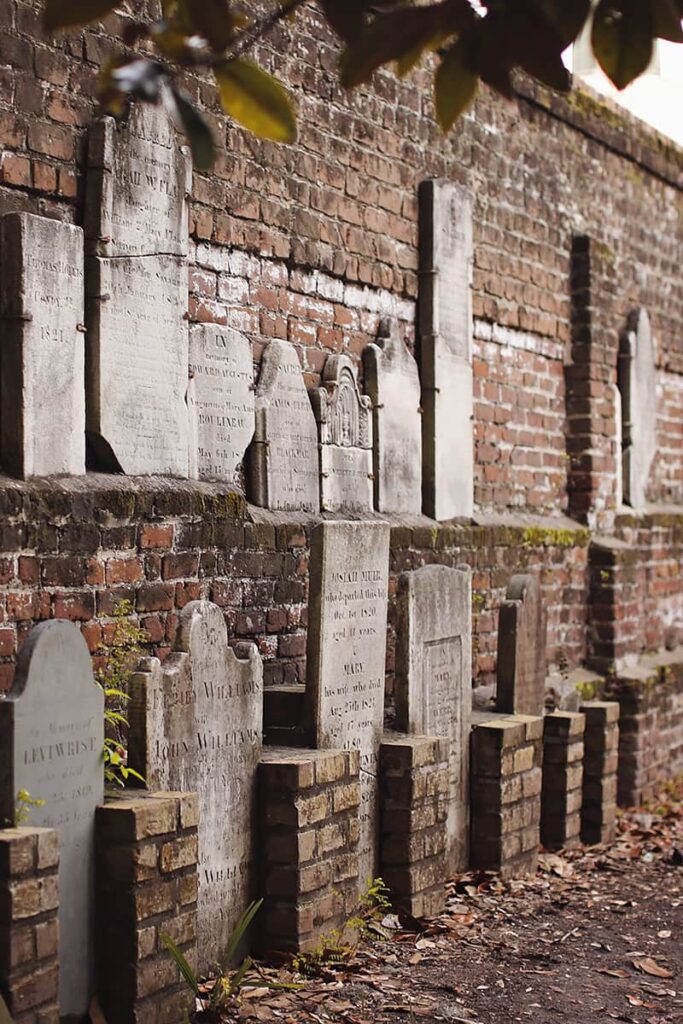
[
  {"x": 137, "y": 364},
  {"x": 42, "y": 357},
  {"x": 522, "y": 648},
  {"x": 446, "y": 254},
  {"x": 220, "y": 402},
  {"x": 196, "y": 726},
  {"x": 138, "y": 186},
  {"x": 346, "y": 655},
  {"x": 283, "y": 464},
  {"x": 392, "y": 382},
  {"x": 344, "y": 418},
  {"x": 434, "y": 680},
  {"x": 637, "y": 378},
  {"x": 51, "y": 741}
]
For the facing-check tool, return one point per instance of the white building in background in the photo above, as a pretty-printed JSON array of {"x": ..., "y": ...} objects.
[{"x": 656, "y": 97}]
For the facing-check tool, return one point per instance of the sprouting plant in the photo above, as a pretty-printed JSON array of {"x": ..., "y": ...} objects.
[
  {"x": 120, "y": 656},
  {"x": 23, "y": 805},
  {"x": 226, "y": 986}
]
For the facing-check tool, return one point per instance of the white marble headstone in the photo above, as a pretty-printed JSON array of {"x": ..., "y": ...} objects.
[
  {"x": 51, "y": 743},
  {"x": 392, "y": 382},
  {"x": 638, "y": 386},
  {"x": 196, "y": 725},
  {"x": 42, "y": 348},
  {"x": 434, "y": 679},
  {"x": 344, "y": 418},
  {"x": 346, "y": 653},
  {"x": 220, "y": 401},
  {"x": 283, "y": 457},
  {"x": 446, "y": 348}
]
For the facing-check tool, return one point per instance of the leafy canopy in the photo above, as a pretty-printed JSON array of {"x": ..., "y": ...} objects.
[{"x": 474, "y": 41}]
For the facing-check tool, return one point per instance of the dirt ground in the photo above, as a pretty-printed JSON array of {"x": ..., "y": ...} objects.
[{"x": 596, "y": 936}]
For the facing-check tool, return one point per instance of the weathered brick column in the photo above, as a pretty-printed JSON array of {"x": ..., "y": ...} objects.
[
  {"x": 309, "y": 804},
  {"x": 505, "y": 787},
  {"x": 146, "y": 884},
  {"x": 413, "y": 781},
  {"x": 29, "y": 931},
  {"x": 600, "y": 762},
  {"x": 562, "y": 792},
  {"x": 615, "y": 603}
]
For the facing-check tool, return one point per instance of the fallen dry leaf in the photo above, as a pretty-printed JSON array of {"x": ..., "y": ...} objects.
[{"x": 650, "y": 966}]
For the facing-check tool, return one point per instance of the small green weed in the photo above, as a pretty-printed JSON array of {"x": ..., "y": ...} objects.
[{"x": 120, "y": 657}]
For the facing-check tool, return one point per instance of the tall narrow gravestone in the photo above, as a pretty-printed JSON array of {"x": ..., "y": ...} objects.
[
  {"x": 220, "y": 401},
  {"x": 446, "y": 349},
  {"x": 138, "y": 185},
  {"x": 51, "y": 741},
  {"x": 346, "y": 655},
  {"x": 283, "y": 457},
  {"x": 344, "y": 418},
  {"x": 196, "y": 725},
  {"x": 638, "y": 387},
  {"x": 42, "y": 359},
  {"x": 521, "y": 649},
  {"x": 434, "y": 680},
  {"x": 393, "y": 384}
]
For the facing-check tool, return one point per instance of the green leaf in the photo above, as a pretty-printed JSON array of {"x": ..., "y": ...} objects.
[
  {"x": 567, "y": 18},
  {"x": 182, "y": 964},
  {"x": 257, "y": 100},
  {"x": 213, "y": 20},
  {"x": 455, "y": 86},
  {"x": 68, "y": 13},
  {"x": 537, "y": 46},
  {"x": 346, "y": 17},
  {"x": 622, "y": 39},
  {"x": 240, "y": 930},
  {"x": 666, "y": 17},
  {"x": 191, "y": 122}
]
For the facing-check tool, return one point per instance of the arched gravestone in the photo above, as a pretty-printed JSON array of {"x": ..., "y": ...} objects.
[
  {"x": 283, "y": 468},
  {"x": 434, "y": 680},
  {"x": 344, "y": 418},
  {"x": 521, "y": 649},
  {"x": 220, "y": 401},
  {"x": 51, "y": 741},
  {"x": 638, "y": 386},
  {"x": 392, "y": 382},
  {"x": 196, "y": 725}
]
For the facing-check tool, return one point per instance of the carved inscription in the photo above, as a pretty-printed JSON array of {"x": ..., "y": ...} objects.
[
  {"x": 196, "y": 724},
  {"x": 221, "y": 400},
  {"x": 138, "y": 366},
  {"x": 347, "y": 646},
  {"x": 284, "y": 468}
]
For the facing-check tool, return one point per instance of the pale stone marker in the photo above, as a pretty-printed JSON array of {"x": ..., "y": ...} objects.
[
  {"x": 346, "y": 653},
  {"x": 51, "y": 741},
  {"x": 137, "y": 364},
  {"x": 139, "y": 182},
  {"x": 283, "y": 457},
  {"x": 42, "y": 360},
  {"x": 392, "y": 382},
  {"x": 221, "y": 402},
  {"x": 344, "y": 418},
  {"x": 196, "y": 725},
  {"x": 446, "y": 349},
  {"x": 521, "y": 649},
  {"x": 638, "y": 386},
  {"x": 434, "y": 679}
]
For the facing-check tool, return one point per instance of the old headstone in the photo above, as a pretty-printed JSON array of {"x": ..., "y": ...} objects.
[
  {"x": 221, "y": 401},
  {"x": 434, "y": 679},
  {"x": 392, "y": 382},
  {"x": 139, "y": 181},
  {"x": 51, "y": 741},
  {"x": 346, "y": 655},
  {"x": 446, "y": 349},
  {"x": 137, "y": 364},
  {"x": 638, "y": 386},
  {"x": 521, "y": 649},
  {"x": 196, "y": 725},
  {"x": 42, "y": 361},
  {"x": 344, "y": 418},
  {"x": 283, "y": 457},
  {"x": 136, "y": 291}
]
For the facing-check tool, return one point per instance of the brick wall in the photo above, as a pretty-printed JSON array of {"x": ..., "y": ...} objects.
[{"x": 562, "y": 791}]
